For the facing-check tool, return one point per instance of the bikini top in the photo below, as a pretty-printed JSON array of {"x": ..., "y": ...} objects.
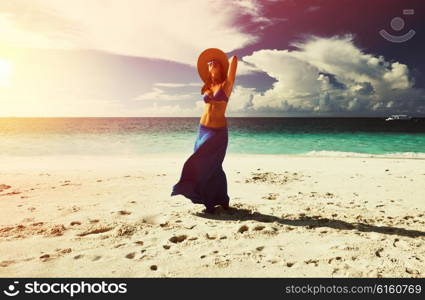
[{"x": 216, "y": 97}]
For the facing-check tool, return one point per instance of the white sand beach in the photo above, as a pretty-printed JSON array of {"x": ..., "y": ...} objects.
[{"x": 292, "y": 216}]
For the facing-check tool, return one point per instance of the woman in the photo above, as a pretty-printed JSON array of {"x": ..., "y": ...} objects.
[{"x": 203, "y": 180}]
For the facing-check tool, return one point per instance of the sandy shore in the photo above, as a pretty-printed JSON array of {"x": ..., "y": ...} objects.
[{"x": 292, "y": 216}]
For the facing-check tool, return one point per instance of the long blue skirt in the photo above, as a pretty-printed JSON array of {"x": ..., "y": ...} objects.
[{"x": 202, "y": 179}]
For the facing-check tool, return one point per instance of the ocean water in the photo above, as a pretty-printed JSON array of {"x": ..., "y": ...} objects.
[{"x": 138, "y": 136}]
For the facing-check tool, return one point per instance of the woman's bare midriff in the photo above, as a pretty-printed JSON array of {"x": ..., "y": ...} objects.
[{"x": 213, "y": 115}]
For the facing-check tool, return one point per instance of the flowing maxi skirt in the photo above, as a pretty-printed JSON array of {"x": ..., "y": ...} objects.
[{"x": 202, "y": 179}]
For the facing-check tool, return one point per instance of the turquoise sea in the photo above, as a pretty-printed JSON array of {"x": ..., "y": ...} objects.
[{"x": 134, "y": 136}]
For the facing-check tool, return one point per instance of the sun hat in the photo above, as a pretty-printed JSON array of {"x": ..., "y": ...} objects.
[{"x": 208, "y": 55}]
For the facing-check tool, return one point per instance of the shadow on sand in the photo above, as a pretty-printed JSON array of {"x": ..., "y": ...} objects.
[{"x": 305, "y": 221}]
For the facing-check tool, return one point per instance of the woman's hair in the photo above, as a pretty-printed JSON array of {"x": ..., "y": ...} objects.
[{"x": 208, "y": 83}]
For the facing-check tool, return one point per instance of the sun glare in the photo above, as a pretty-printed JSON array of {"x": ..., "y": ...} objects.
[{"x": 5, "y": 71}]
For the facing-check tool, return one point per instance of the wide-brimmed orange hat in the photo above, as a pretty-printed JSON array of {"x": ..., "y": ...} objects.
[{"x": 210, "y": 54}]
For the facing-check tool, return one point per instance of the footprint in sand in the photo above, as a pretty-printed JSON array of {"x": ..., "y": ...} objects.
[
  {"x": 412, "y": 271},
  {"x": 45, "y": 257},
  {"x": 274, "y": 178},
  {"x": 27, "y": 220},
  {"x": 130, "y": 255},
  {"x": 64, "y": 251},
  {"x": 73, "y": 209},
  {"x": 243, "y": 228},
  {"x": 164, "y": 225},
  {"x": 289, "y": 228},
  {"x": 124, "y": 212},
  {"x": 312, "y": 261},
  {"x": 271, "y": 230},
  {"x": 378, "y": 252},
  {"x": 11, "y": 193},
  {"x": 338, "y": 258},
  {"x": 190, "y": 226},
  {"x": 4, "y": 187},
  {"x": 271, "y": 196},
  {"x": 334, "y": 271},
  {"x": 57, "y": 230},
  {"x": 6, "y": 263},
  {"x": 96, "y": 230},
  {"x": 178, "y": 239},
  {"x": 210, "y": 236}
]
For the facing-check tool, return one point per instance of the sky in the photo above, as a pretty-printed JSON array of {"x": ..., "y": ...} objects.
[{"x": 137, "y": 58}]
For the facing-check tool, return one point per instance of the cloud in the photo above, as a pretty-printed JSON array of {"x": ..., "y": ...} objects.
[
  {"x": 240, "y": 102},
  {"x": 240, "y": 99},
  {"x": 334, "y": 75},
  {"x": 61, "y": 104},
  {"x": 167, "y": 29},
  {"x": 245, "y": 68},
  {"x": 161, "y": 95},
  {"x": 254, "y": 8},
  {"x": 32, "y": 24},
  {"x": 177, "y": 85},
  {"x": 176, "y": 110}
]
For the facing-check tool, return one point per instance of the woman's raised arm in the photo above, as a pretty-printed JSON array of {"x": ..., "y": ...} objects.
[{"x": 231, "y": 73}]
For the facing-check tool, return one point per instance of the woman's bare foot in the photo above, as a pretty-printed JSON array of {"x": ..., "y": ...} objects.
[
  {"x": 209, "y": 210},
  {"x": 225, "y": 206}
]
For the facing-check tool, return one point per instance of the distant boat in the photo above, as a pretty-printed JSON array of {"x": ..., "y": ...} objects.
[{"x": 398, "y": 118}]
